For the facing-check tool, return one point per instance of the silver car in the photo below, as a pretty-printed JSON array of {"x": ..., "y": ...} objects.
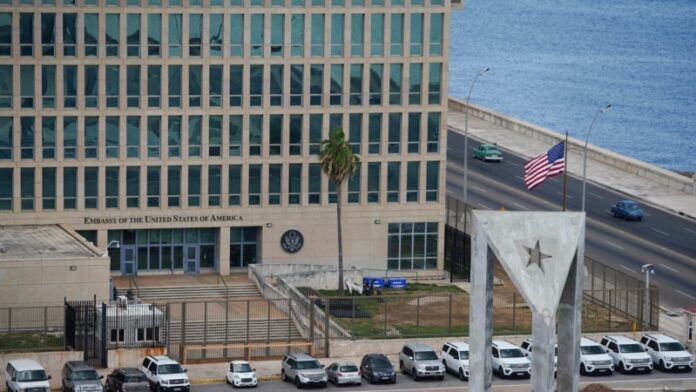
[
  {"x": 421, "y": 361},
  {"x": 341, "y": 373},
  {"x": 303, "y": 369}
]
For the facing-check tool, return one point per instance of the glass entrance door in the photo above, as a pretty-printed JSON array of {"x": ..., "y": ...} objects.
[
  {"x": 191, "y": 261},
  {"x": 128, "y": 260}
]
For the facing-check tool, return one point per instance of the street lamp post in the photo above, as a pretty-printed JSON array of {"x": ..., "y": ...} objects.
[
  {"x": 648, "y": 270},
  {"x": 584, "y": 157},
  {"x": 466, "y": 139}
]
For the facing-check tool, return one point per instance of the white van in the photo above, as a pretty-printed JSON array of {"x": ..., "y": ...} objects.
[{"x": 26, "y": 375}]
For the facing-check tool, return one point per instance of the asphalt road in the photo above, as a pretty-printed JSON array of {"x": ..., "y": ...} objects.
[{"x": 664, "y": 239}]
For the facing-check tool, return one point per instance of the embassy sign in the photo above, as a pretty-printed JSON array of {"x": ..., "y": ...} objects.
[{"x": 112, "y": 220}]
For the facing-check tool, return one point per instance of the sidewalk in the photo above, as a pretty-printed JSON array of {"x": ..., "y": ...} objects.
[{"x": 598, "y": 173}]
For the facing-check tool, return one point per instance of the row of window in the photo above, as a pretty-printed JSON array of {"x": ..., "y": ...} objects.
[
  {"x": 227, "y": 185},
  {"x": 229, "y": 3},
  {"x": 412, "y": 246},
  {"x": 335, "y": 34},
  {"x": 136, "y": 137},
  {"x": 275, "y": 85}
]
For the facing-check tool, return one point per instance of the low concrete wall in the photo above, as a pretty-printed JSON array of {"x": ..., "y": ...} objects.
[
  {"x": 52, "y": 361},
  {"x": 629, "y": 165},
  {"x": 131, "y": 357}
]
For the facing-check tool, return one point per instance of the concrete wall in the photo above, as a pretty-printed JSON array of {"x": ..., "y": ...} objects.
[
  {"x": 52, "y": 361},
  {"x": 629, "y": 165},
  {"x": 131, "y": 357}
]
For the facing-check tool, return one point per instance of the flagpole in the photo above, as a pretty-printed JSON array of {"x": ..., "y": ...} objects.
[{"x": 565, "y": 170}]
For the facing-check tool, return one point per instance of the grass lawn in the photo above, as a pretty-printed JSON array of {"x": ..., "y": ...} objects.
[{"x": 30, "y": 342}]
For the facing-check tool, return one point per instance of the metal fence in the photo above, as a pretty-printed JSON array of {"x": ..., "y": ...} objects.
[{"x": 31, "y": 328}]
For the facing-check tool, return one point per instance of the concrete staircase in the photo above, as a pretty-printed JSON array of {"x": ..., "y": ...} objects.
[
  {"x": 197, "y": 293},
  {"x": 275, "y": 329}
]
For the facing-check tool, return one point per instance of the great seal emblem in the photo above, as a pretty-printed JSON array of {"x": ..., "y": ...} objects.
[{"x": 292, "y": 241}]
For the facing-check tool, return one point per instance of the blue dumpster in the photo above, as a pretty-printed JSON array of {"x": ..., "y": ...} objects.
[
  {"x": 377, "y": 283},
  {"x": 396, "y": 283}
]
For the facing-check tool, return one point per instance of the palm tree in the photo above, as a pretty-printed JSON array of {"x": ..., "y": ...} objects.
[{"x": 339, "y": 164}]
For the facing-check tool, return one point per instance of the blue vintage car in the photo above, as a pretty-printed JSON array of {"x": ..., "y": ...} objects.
[{"x": 627, "y": 209}]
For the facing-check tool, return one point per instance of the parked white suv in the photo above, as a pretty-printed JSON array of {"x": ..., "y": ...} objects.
[
  {"x": 26, "y": 375},
  {"x": 667, "y": 353},
  {"x": 509, "y": 360},
  {"x": 455, "y": 357},
  {"x": 627, "y": 354},
  {"x": 594, "y": 358},
  {"x": 526, "y": 347},
  {"x": 165, "y": 374}
]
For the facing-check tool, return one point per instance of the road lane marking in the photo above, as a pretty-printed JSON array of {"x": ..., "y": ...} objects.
[
  {"x": 689, "y": 230},
  {"x": 626, "y": 268},
  {"x": 608, "y": 212},
  {"x": 514, "y": 164},
  {"x": 595, "y": 195},
  {"x": 478, "y": 188},
  {"x": 659, "y": 231},
  {"x": 484, "y": 206},
  {"x": 685, "y": 294},
  {"x": 614, "y": 245},
  {"x": 520, "y": 205},
  {"x": 568, "y": 196},
  {"x": 668, "y": 267},
  {"x": 519, "y": 178}
]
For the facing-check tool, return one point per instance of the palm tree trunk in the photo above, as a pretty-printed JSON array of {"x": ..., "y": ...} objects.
[{"x": 340, "y": 238}]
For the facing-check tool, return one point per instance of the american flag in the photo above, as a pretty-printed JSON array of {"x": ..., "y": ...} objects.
[{"x": 546, "y": 165}]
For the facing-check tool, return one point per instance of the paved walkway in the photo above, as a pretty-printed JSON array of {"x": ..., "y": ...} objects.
[{"x": 597, "y": 172}]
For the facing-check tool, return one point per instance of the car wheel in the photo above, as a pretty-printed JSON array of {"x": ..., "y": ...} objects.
[
  {"x": 501, "y": 374},
  {"x": 461, "y": 375},
  {"x": 583, "y": 371},
  {"x": 283, "y": 377},
  {"x": 401, "y": 367},
  {"x": 622, "y": 368},
  {"x": 444, "y": 363},
  {"x": 298, "y": 384},
  {"x": 159, "y": 388},
  {"x": 414, "y": 374},
  {"x": 640, "y": 219}
]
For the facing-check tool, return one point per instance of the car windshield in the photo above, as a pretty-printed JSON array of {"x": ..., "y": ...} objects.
[
  {"x": 31, "y": 375},
  {"x": 135, "y": 377},
  {"x": 631, "y": 206},
  {"x": 591, "y": 350},
  {"x": 170, "y": 369},
  {"x": 632, "y": 348},
  {"x": 308, "y": 365},
  {"x": 85, "y": 375},
  {"x": 511, "y": 353},
  {"x": 380, "y": 362},
  {"x": 242, "y": 368},
  {"x": 463, "y": 355},
  {"x": 672, "y": 346},
  {"x": 426, "y": 356},
  {"x": 348, "y": 368}
]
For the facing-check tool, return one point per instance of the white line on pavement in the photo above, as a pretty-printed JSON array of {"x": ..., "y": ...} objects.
[
  {"x": 484, "y": 206},
  {"x": 520, "y": 205},
  {"x": 659, "y": 231},
  {"x": 614, "y": 245},
  {"x": 514, "y": 164},
  {"x": 519, "y": 178},
  {"x": 626, "y": 268},
  {"x": 689, "y": 230},
  {"x": 668, "y": 267},
  {"x": 568, "y": 196},
  {"x": 595, "y": 195},
  {"x": 685, "y": 294},
  {"x": 478, "y": 188}
]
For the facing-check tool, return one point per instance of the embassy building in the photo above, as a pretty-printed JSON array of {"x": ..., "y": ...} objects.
[{"x": 189, "y": 130}]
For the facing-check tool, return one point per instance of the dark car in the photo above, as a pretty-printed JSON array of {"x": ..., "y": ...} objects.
[
  {"x": 627, "y": 209},
  {"x": 78, "y": 376},
  {"x": 376, "y": 368},
  {"x": 126, "y": 379}
]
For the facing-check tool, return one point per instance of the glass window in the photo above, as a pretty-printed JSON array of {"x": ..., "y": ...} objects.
[
  {"x": 215, "y": 85},
  {"x": 174, "y": 136},
  {"x": 295, "y": 183},
  {"x": 91, "y": 187},
  {"x": 277, "y": 34},
  {"x": 314, "y": 184},
  {"x": 236, "y": 35},
  {"x": 243, "y": 246},
  {"x": 295, "y": 145},
  {"x": 255, "y": 134},
  {"x": 112, "y": 86},
  {"x": 256, "y": 85},
  {"x": 412, "y": 246},
  {"x": 48, "y": 137},
  {"x": 393, "y": 176},
  {"x": 236, "y": 83},
  {"x": 174, "y": 83},
  {"x": 394, "y": 133},
  {"x": 357, "y": 34},
  {"x": 336, "y": 88},
  {"x": 416, "y": 34},
  {"x": 195, "y": 80},
  {"x": 434, "y": 83},
  {"x": 396, "y": 35},
  {"x": 215, "y": 35},
  {"x": 257, "y": 35},
  {"x": 69, "y": 137},
  {"x": 376, "y": 71},
  {"x": 195, "y": 34},
  {"x": 132, "y": 186},
  {"x": 356, "y": 89},
  {"x": 296, "y": 84},
  {"x": 254, "y": 185},
  {"x": 6, "y": 189},
  {"x": 373, "y": 169},
  {"x": 48, "y": 34},
  {"x": 436, "y": 34},
  {"x": 354, "y": 131},
  {"x": 111, "y": 182},
  {"x": 214, "y": 187},
  {"x": 69, "y": 34},
  {"x": 214, "y": 136},
  {"x": 412, "y": 180},
  {"x": 153, "y": 186},
  {"x": 337, "y": 29},
  {"x": 235, "y": 136},
  {"x": 415, "y": 83},
  {"x": 69, "y": 188},
  {"x": 133, "y": 86},
  {"x": 6, "y": 138},
  {"x": 27, "y": 133},
  {"x": 297, "y": 29},
  {"x": 354, "y": 187},
  {"x": 194, "y": 135},
  {"x": 26, "y": 88},
  {"x": 174, "y": 186},
  {"x": 6, "y": 79},
  {"x": 174, "y": 34},
  {"x": 133, "y": 35},
  {"x": 112, "y": 136},
  {"x": 276, "y": 85},
  {"x": 26, "y": 34},
  {"x": 315, "y": 131},
  {"x": 133, "y": 136},
  {"x": 91, "y": 86},
  {"x": 113, "y": 30},
  {"x": 377, "y": 35},
  {"x": 91, "y": 34},
  {"x": 153, "y": 136},
  {"x": 154, "y": 81},
  {"x": 70, "y": 86},
  {"x": 48, "y": 85},
  {"x": 234, "y": 185},
  {"x": 432, "y": 179},
  {"x": 275, "y": 134},
  {"x": 27, "y": 188},
  {"x": 154, "y": 34},
  {"x": 395, "y": 77},
  {"x": 375, "y": 133},
  {"x": 317, "y": 38},
  {"x": 433, "y": 132},
  {"x": 316, "y": 82},
  {"x": 414, "y": 120},
  {"x": 91, "y": 135}
]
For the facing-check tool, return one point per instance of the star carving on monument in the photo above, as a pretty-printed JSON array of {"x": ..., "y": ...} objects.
[{"x": 535, "y": 256}]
